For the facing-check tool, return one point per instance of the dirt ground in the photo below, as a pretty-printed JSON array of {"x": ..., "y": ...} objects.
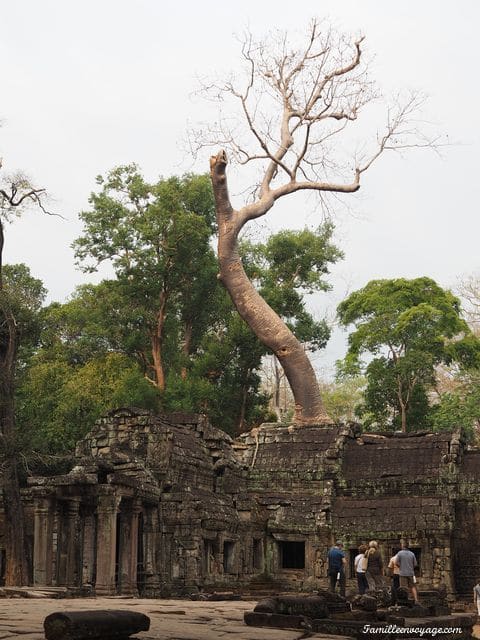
[{"x": 22, "y": 618}]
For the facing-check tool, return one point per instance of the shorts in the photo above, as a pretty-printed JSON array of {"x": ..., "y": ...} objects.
[{"x": 407, "y": 582}]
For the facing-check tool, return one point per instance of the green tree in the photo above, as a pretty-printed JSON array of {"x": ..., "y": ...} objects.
[
  {"x": 342, "y": 398},
  {"x": 19, "y": 304},
  {"x": 59, "y": 401},
  {"x": 166, "y": 309},
  {"x": 86, "y": 363},
  {"x": 460, "y": 405},
  {"x": 286, "y": 269},
  {"x": 156, "y": 237},
  {"x": 407, "y": 328},
  {"x": 21, "y": 297}
]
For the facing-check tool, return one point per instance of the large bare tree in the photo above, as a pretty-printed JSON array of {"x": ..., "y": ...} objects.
[
  {"x": 295, "y": 109},
  {"x": 16, "y": 194}
]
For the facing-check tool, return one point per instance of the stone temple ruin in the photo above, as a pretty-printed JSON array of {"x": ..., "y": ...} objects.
[{"x": 169, "y": 505}]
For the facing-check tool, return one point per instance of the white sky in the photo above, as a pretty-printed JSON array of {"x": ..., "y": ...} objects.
[{"x": 89, "y": 85}]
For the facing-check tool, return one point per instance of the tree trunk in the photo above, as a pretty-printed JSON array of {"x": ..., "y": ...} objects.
[
  {"x": 259, "y": 316},
  {"x": 16, "y": 557},
  {"x": 156, "y": 340},
  {"x": 403, "y": 407},
  {"x": 187, "y": 342},
  {"x": 276, "y": 390},
  {"x": 404, "y": 419},
  {"x": 240, "y": 426},
  {"x": 16, "y": 573}
]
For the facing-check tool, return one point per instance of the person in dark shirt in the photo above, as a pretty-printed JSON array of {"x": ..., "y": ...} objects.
[
  {"x": 336, "y": 568},
  {"x": 374, "y": 567}
]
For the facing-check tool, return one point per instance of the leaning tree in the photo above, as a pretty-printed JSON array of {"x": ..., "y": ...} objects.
[
  {"x": 20, "y": 297},
  {"x": 295, "y": 108}
]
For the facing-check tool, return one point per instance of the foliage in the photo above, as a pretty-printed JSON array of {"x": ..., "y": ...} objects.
[
  {"x": 157, "y": 238},
  {"x": 343, "y": 397},
  {"x": 460, "y": 406},
  {"x": 163, "y": 334},
  {"x": 407, "y": 327},
  {"x": 289, "y": 266},
  {"x": 20, "y": 299},
  {"x": 58, "y": 403},
  {"x": 23, "y": 295}
]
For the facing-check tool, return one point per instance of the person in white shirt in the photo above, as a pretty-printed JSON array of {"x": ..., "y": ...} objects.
[
  {"x": 395, "y": 573},
  {"x": 476, "y": 595},
  {"x": 358, "y": 564}
]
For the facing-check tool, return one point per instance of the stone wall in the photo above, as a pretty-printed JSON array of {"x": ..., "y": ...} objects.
[{"x": 170, "y": 505}]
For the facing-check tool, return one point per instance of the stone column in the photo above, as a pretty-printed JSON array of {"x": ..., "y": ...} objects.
[
  {"x": 129, "y": 548},
  {"x": 72, "y": 539},
  {"x": 150, "y": 532},
  {"x": 88, "y": 551},
  {"x": 107, "y": 509},
  {"x": 42, "y": 543}
]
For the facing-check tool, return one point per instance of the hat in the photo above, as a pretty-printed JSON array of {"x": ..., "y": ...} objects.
[{"x": 339, "y": 544}]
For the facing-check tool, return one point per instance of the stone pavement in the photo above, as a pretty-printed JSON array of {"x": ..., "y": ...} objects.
[{"x": 22, "y": 618}]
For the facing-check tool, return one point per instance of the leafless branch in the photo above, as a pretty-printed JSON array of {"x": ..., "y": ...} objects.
[
  {"x": 17, "y": 192},
  {"x": 293, "y": 110}
]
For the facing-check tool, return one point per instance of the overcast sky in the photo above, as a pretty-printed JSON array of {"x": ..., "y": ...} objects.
[{"x": 89, "y": 85}]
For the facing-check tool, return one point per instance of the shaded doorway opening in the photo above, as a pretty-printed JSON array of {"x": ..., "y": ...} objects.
[
  {"x": 209, "y": 563},
  {"x": 228, "y": 556},
  {"x": 3, "y": 565},
  {"x": 292, "y": 555},
  {"x": 117, "y": 550},
  {"x": 140, "y": 557},
  {"x": 352, "y": 554},
  {"x": 257, "y": 554}
]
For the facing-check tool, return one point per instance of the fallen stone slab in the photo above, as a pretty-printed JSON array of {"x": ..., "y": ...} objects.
[
  {"x": 109, "y": 624},
  {"x": 275, "y": 620},
  {"x": 363, "y": 625}
]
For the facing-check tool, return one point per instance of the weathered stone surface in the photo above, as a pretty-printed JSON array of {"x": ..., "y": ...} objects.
[
  {"x": 191, "y": 510},
  {"x": 91, "y": 625},
  {"x": 365, "y": 602},
  {"x": 310, "y": 606},
  {"x": 276, "y": 620},
  {"x": 22, "y": 619}
]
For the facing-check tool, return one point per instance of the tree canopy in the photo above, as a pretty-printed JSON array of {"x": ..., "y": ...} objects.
[
  {"x": 156, "y": 236},
  {"x": 406, "y": 328},
  {"x": 164, "y": 307}
]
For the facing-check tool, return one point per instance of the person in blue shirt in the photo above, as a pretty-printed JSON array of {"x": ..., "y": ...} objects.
[
  {"x": 406, "y": 563},
  {"x": 336, "y": 568}
]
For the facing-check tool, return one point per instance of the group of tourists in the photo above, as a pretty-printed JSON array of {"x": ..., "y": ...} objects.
[{"x": 369, "y": 569}]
